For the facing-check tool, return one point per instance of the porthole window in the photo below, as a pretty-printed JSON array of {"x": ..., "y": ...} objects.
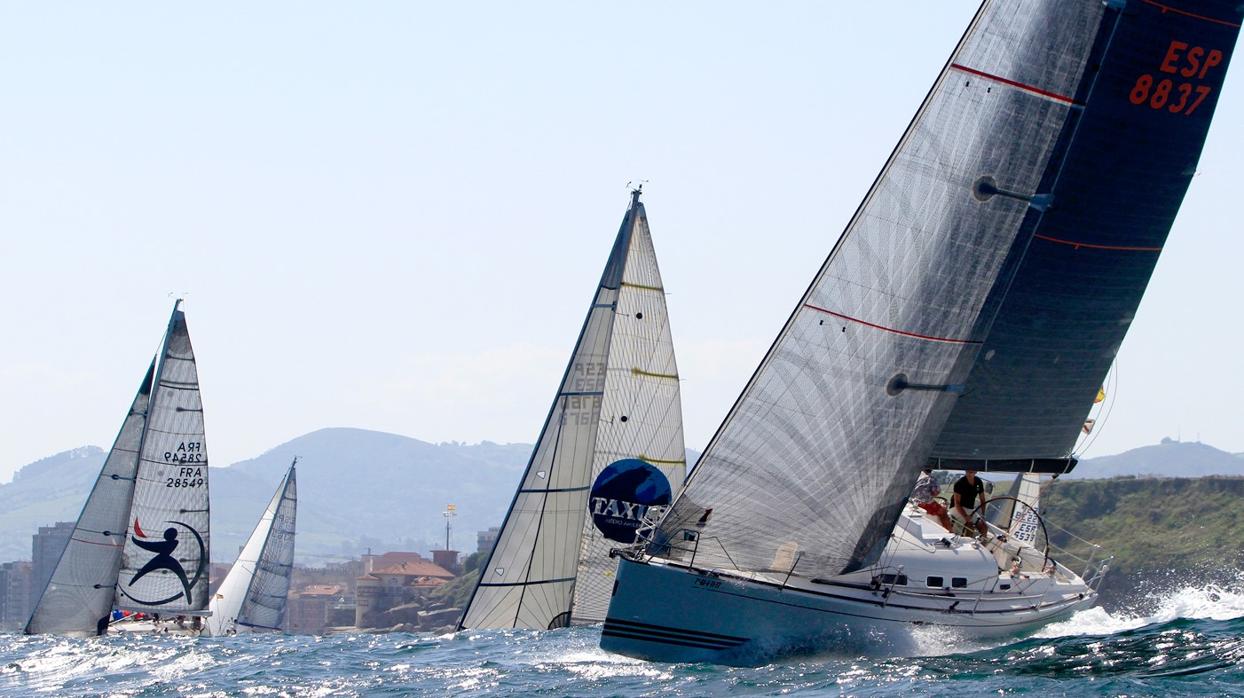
[
  {"x": 935, "y": 582},
  {"x": 899, "y": 579},
  {"x": 959, "y": 582}
]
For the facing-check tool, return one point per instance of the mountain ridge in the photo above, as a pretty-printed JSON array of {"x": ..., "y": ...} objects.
[{"x": 361, "y": 489}]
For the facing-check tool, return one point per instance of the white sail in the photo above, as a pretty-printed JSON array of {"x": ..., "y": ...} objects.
[
  {"x": 165, "y": 561},
  {"x": 530, "y": 578},
  {"x": 640, "y": 426},
  {"x": 253, "y": 595},
  {"x": 78, "y": 598},
  {"x": 1024, "y": 522}
]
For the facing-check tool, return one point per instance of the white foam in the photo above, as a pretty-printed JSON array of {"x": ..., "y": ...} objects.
[{"x": 1210, "y": 602}]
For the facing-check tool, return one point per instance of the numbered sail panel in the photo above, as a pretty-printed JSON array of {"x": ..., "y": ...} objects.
[
  {"x": 79, "y": 596},
  {"x": 253, "y": 595},
  {"x": 528, "y": 580},
  {"x": 1091, "y": 255},
  {"x": 166, "y": 556},
  {"x": 826, "y": 440},
  {"x": 639, "y": 461}
]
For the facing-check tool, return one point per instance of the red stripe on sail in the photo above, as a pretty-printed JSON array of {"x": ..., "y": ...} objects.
[
  {"x": 1019, "y": 85},
  {"x": 1185, "y": 13},
  {"x": 883, "y": 328},
  {"x": 1091, "y": 246},
  {"x": 138, "y": 529}
]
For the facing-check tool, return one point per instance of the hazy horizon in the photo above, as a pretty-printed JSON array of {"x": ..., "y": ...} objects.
[{"x": 392, "y": 216}]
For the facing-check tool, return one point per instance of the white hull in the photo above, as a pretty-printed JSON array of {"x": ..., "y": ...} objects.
[
  {"x": 149, "y": 627},
  {"x": 703, "y": 616},
  {"x": 929, "y": 585}
]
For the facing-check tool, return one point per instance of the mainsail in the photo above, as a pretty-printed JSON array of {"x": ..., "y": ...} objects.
[
  {"x": 1000, "y": 253},
  {"x": 165, "y": 560},
  {"x": 253, "y": 594},
  {"x": 78, "y": 598},
  {"x": 611, "y": 447}
]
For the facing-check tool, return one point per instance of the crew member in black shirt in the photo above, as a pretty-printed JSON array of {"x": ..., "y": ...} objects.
[{"x": 968, "y": 489}]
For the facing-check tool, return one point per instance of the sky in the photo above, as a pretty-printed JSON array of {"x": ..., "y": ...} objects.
[{"x": 392, "y": 215}]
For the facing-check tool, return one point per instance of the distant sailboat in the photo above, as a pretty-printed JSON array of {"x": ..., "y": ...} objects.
[
  {"x": 964, "y": 320},
  {"x": 611, "y": 449},
  {"x": 252, "y": 598},
  {"x": 141, "y": 541}
]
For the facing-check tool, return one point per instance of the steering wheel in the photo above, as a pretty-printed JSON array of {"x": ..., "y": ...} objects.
[{"x": 1021, "y": 511}]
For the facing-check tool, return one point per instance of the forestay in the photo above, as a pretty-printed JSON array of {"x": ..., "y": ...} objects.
[
  {"x": 529, "y": 580},
  {"x": 165, "y": 561},
  {"x": 253, "y": 595},
  {"x": 78, "y": 598},
  {"x": 814, "y": 459}
]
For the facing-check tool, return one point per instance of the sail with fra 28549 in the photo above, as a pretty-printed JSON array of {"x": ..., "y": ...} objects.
[{"x": 166, "y": 555}]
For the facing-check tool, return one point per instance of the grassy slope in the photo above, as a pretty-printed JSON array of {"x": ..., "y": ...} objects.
[{"x": 1161, "y": 532}]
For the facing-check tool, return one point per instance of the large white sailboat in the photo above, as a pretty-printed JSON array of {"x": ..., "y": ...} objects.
[
  {"x": 610, "y": 450},
  {"x": 141, "y": 541},
  {"x": 964, "y": 320},
  {"x": 253, "y": 596}
]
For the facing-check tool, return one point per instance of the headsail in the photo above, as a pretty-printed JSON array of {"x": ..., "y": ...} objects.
[
  {"x": 529, "y": 580},
  {"x": 78, "y": 598},
  {"x": 253, "y": 594},
  {"x": 165, "y": 561},
  {"x": 640, "y": 459},
  {"x": 816, "y": 456}
]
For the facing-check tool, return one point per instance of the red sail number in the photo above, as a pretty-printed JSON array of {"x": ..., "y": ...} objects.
[
  {"x": 1182, "y": 102},
  {"x": 1182, "y": 60}
]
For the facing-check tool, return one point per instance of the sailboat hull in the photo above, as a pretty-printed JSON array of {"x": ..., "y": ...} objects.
[{"x": 703, "y": 616}]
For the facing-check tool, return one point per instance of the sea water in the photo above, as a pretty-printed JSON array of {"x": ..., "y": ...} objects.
[{"x": 1193, "y": 644}]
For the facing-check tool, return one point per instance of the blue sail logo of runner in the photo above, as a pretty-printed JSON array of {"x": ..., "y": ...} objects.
[
  {"x": 166, "y": 562},
  {"x": 622, "y": 495}
]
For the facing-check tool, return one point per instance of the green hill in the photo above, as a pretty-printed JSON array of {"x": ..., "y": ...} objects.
[{"x": 1163, "y": 533}]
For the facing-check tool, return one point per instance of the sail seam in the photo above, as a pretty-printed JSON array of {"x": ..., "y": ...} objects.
[
  {"x": 892, "y": 330},
  {"x": 1092, "y": 246},
  {"x": 1032, "y": 89},
  {"x": 1185, "y": 13}
]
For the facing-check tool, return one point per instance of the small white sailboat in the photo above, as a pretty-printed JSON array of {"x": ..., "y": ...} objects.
[
  {"x": 964, "y": 320},
  {"x": 611, "y": 449},
  {"x": 253, "y": 596},
  {"x": 141, "y": 541}
]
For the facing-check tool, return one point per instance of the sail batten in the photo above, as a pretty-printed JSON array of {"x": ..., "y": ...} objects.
[{"x": 546, "y": 561}]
